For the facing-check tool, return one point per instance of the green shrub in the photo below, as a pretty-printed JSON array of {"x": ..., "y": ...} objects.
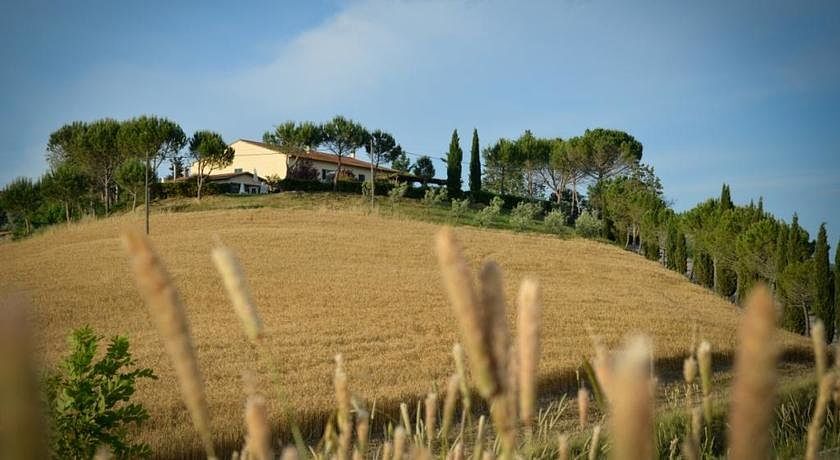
[
  {"x": 398, "y": 192},
  {"x": 88, "y": 400},
  {"x": 555, "y": 221},
  {"x": 524, "y": 214},
  {"x": 460, "y": 208},
  {"x": 589, "y": 226},
  {"x": 488, "y": 214},
  {"x": 434, "y": 196}
]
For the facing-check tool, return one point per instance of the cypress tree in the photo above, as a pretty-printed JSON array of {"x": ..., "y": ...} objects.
[
  {"x": 703, "y": 269},
  {"x": 725, "y": 198},
  {"x": 837, "y": 279},
  {"x": 797, "y": 250},
  {"x": 671, "y": 248},
  {"x": 823, "y": 304},
  {"x": 453, "y": 166},
  {"x": 475, "y": 166},
  {"x": 681, "y": 256}
]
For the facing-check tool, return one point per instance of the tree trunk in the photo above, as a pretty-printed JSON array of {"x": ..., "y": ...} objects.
[
  {"x": 807, "y": 320},
  {"x": 714, "y": 274},
  {"x": 107, "y": 198},
  {"x": 134, "y": 202},
  {"x": 67, "y": 210}
]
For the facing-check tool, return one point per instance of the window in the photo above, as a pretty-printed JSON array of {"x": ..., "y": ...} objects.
[
  {"x": 237, "y": 170},
  {"x": 361, "y": 177}
]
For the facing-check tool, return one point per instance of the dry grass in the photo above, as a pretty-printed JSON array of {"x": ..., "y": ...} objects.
[{"x": 327, "y": 281}]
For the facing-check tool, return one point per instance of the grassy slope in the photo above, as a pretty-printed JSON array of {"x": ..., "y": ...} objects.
[{"x": 330, "y": 277}]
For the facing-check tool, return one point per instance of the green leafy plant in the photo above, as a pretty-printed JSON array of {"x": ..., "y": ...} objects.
[
  {"x": 589, "y": 226},
  {"x": 460, "y": 208},
  {"x": 434, "y": 196},
  {"x": 524, "y": 214},
  {"x": 89, "y": 400},
  {"x": 555, "y": 221},
  {"x": 398, "y": 192},
  {"x": 488, "y": 214}
]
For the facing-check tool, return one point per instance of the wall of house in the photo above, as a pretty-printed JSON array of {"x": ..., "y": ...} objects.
[
  {"x": 249, "y": 157},
  {"x": 252, "y": 185},
  {"x": 332, "y": 167}
]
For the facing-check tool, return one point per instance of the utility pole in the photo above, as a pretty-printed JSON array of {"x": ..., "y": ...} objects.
[{"x": 372, "y": 178}]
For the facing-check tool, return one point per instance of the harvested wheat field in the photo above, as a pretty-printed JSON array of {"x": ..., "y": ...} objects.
[{"x": 328, "y": 281}]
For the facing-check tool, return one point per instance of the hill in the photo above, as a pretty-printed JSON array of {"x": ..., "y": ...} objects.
[{"x": 330, "y": 281}]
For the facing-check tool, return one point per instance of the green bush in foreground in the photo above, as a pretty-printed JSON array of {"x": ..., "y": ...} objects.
[
  {"x": 555, "y": 221},
  {"x": 88, "y": 400},
  {"x": 589, "y": 226},
  {"x": 524, "y": 214},
  {"x": 487, "y": 214}
]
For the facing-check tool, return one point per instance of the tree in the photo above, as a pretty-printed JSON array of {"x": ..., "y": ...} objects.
[
  {"x": 681, "y": 254},
  {"x": 342, "y": 136},
  {"x": 577, "y": 154},
  {"x": 65, "y": 144},
  {"x": 100, "y": 155},
  {"x": 131, "y": 177},
  {"x": 755, "y": 250},
  {"x": 66, "y": 185},
  {"x": 725, "y": 201},
  {"x": 295, "y": 139},
  {"x": 475, "y": 166},
  {"x": 822, "y": 282},
  {"x": 401, "y": 163},
  {"x": 628, "y": 199},
  {"x": 89, "y": 401},
  {"x": 703, "y": 269},
  {"x": 781, "y": 249},
  {"x": 380, "y": 146},
  {"x": 796, "y": 294},
  {"x": 502, "y": 174},
  {"x": 837, "y": 281},
  {"x": 424, "y": 169},
  {"x": 671, "y": 246},
  {"x": 798, "y": 249},
  {"x": 610, "y": 152},
  {"x": 210, "y": 152},
  {"x": 21, "y": 199},
  {"x": 532, "y": 154},
  {"x": 153, "y": 140},
  {"x": 453, "y": 165}
]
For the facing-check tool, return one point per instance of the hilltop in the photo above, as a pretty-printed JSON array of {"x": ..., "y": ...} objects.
[{"x": 329, "y": 278}]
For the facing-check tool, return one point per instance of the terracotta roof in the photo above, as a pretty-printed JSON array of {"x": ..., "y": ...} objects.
[{"x": 322, "y": 156}]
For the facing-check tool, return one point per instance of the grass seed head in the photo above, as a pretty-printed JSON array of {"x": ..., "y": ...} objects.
[
  {"x": 754, "y": 387},
  {"x": 818, "y": 340},
  {"x": 236, "y": 286},
  {"x": 689, "y": 370},
  {"x": 815, "y": 428},
  {"x": 583, "y": 407},
  {"x": 259, "y": 432},
  {"x": 528, "y": 347},
  {"x": 157, "y": 290},
  {"x": 632, "y": 402}
]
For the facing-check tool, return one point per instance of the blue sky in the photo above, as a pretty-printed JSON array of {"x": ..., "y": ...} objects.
[{"x": 746, "y": 93}]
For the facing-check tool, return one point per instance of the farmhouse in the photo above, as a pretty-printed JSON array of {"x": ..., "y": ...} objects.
[{"x": 266, "y": 160}]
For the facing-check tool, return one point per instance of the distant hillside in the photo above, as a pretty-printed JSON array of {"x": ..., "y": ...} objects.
[{"x": 329, "y": 281}]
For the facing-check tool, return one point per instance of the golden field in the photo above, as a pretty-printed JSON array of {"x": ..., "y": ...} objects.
[{"x": 329, "y": 281}]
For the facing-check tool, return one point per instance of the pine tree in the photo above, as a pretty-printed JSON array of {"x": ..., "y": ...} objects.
[
  {"x": 681, "y": 256},
  {"x": 823, "y": 305},
  {"x": 725, "y": 198},
  {"x": 453, "y": 166},
  {"x": 475, "y": 166},
  {"x": 781, "y": 249},
  {"x": 837, "y": 279},
  {"x": 671, "y": 247}
]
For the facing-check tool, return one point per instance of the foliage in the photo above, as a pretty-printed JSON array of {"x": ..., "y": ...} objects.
[
  {"x": 152, "y": 138},
  {"x": 486, "y": 215},
  {"x": 398, "y": 192},
  {"x": 89, "y": 399},
  {"x": 185, "y": 187},
  {"x": 524, "y": 214},
  {"x": 628, "y": 200},
  {"x": 435, "y": 196},
  {"x": 210, "y": 152},
  {"x": 531, "y": 153},
  {"x": 798, "y": 247},
  {"x": 401, "y": 163},
  {"x": 610, "y": 153},
  {"x": 424, "y": 169},
  {"x": 460, "y": 208},
  {"x": 21, "y": 199},
  {"x": 555, "y": 221},
  {"x": 502, "y": 174},
  {"x": 294, "y": 138},
  {"x": 131, "y": 177},
  {"x": 301, "y": 169},
  {"x": 796, "y": 292},
  {"x": 475, "y": 165},
  {"x": 823, "y": 303},
  {"x": 453, "y": 165},
  {"x": 588, "y": 225},
  {"x": 66, "y": 185},
  {"x": 342, "y": 136}
]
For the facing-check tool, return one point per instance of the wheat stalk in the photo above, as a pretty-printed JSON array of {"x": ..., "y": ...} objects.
[
  {"x": 704, "y": 359},
  {"x": 818, "y": 340},
  {"x": 431, "y": 418},
  {"x": 258, "y": 444},
  {"x": 528, "y": 348},
  {"x": 236, "y": 286},
  {"x": 632, "y": 405},
  {"x": 583, "y": 407},
  {"x": 399, "y": 442},
  {"x": 168, "y": 314},
  {"x": 815, "y": 428},
  {"x": 593, "y": 443},
  {"x": 342, "y": 397},
  {"x": 754, "y": 388}
]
